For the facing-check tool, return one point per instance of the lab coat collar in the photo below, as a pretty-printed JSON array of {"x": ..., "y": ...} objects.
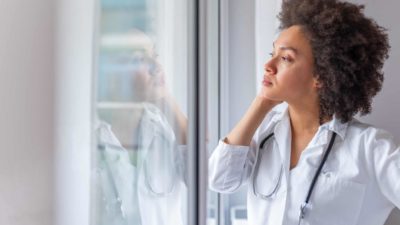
[
  {"x": 283, "y": 134},
  {"x": 334, "y": 125}
]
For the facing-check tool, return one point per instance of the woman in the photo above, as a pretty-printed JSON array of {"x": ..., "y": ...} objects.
[{"x": 313, "y": 163}]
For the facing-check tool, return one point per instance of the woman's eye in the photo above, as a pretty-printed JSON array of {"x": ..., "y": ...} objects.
[
  {"x": 283, "y": 58},
  {"x": 286, "y": 59}
]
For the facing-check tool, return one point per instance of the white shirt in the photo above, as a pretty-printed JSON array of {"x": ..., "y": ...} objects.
[{"x": 359, "y": 183}]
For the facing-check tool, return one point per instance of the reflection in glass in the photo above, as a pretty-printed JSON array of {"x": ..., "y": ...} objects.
[{"x": 139, "y": 174}]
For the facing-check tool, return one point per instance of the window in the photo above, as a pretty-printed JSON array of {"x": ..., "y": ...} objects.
[{"x": 140, "y": 166}]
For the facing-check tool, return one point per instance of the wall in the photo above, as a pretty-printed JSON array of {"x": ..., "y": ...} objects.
[
  {"x": 238, "y": 79},
  {"x": 386, "y": 105},
  {"x": 45, "y": 88},
  {"x": 26, "y": 115},
  {"x": 241, "y": 57}
]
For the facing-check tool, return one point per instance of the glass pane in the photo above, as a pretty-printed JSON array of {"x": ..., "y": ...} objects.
[{"x": 139, "y": 174}]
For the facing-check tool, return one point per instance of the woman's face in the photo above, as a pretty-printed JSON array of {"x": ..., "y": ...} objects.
[
  {"x": 148, "y": 77},
  {"x": 289, "y": 74}
]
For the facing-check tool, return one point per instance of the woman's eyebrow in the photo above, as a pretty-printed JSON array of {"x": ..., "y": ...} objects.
[{"x": 286, "y": 48}]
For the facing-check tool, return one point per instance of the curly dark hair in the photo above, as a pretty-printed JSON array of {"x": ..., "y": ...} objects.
[{"x": 349, "y": 51}]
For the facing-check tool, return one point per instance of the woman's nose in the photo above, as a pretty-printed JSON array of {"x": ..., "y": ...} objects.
[
  {"x": 269, "y": 67},
  {"x": 158, "y": 73},
  {"x": 158, "y": 69}
]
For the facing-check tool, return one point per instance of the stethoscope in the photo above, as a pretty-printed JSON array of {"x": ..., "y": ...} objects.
[
  {"x": 147, "y": 178},
  {"x": 305, "y": 205}
]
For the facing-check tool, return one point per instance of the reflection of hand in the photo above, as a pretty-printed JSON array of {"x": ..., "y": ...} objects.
[
  {"x": 163, "y": 99},
  {"x": 158, "y": 90}
]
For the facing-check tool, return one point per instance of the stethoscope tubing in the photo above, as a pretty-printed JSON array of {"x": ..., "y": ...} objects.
[{"x": 257, "y": 164}]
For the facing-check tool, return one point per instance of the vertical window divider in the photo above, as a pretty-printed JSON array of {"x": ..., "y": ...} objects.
[{"x": 198, "y": 162}]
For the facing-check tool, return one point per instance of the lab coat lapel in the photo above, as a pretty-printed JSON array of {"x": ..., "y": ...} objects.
[
  {"x": 324, "y": 133},
  {"x": 146, "y": 135},
  {"x": 121, "y": 171}
]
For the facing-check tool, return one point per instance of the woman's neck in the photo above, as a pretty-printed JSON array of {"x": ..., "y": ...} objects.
[{"x": 304, "y": 120}]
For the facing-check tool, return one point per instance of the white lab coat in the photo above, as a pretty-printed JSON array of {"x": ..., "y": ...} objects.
[
  {"x": 359, "y": 183},
  {"x": 158, "y": 165},
  {"x": 161, "y": 166},
  {"x": 114, "y": 178}
]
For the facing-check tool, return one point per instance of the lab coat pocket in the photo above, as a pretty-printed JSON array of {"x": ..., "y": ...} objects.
[{"x": 336, "y": 201}]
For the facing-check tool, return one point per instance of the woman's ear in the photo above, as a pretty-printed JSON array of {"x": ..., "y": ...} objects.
[{"x": 317, "y": 83}]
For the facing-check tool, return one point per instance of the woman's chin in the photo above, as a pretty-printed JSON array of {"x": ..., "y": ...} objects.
[{"x": 269, "y": 94}]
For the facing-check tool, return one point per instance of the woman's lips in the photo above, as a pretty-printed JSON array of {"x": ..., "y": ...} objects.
[{"x": 267, "y": 81}]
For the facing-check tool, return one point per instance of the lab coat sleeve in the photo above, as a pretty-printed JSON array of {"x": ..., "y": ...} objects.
[
  {"x": 384, "y": 154},
  {"x": 230, "y": 166}
]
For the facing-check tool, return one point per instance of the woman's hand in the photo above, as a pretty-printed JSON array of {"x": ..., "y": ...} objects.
[
  {"x": 263, "y": 96},
  {"x": 242, "y": 133}
]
